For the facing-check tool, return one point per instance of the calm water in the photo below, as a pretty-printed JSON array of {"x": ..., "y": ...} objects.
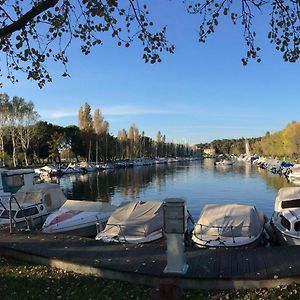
[{"x": 198, "y": 182}]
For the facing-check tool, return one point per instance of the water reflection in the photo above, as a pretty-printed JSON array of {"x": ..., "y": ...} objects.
[{"x": 198, "y": 182}]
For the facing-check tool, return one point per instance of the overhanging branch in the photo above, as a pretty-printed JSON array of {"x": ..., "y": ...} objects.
[{"x": 30, "y": 15}]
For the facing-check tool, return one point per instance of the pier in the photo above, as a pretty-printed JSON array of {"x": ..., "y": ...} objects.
[{"x": 144, "y": 264}]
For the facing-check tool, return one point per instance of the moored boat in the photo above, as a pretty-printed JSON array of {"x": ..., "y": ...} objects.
[
  {"x": 78, "y": 217},
  {"x": 228, "y": 225},
  {"x": 286, "y": 217},
  {"x": 135, "y": 222},
  {"x": 35, "y": 204}
]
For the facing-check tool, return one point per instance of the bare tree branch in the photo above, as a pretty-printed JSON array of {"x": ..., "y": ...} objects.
[{"x": 30, "y": 15}]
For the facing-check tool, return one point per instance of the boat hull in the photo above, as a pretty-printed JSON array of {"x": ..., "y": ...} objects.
[{"x": 285, "y": 239}]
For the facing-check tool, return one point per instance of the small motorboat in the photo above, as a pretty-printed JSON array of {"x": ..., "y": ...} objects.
[
  {"x": 228, "y": 225},
  {"x": 286, "y": 217},
  {"x": 135, "y": 222},
  {"x": 224, "y": 162},
  {"x": 32, "y": 205},
  {"x": 78, "y": 217}
]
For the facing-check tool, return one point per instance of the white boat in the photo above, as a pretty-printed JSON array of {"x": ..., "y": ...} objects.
[
  {"x": 224, "y": 162},
  {"x": 48, "y": 170},
  {"x": 78, "y": 217},
  {"x": 286, "y": 217},
  {"x": 87, "y": 167},
  {"x": 135, "y": 222},
  {"x": 36, "y": 203},
  {"x": 294, "y": 174},
  {"x": 228, "y": 225}
]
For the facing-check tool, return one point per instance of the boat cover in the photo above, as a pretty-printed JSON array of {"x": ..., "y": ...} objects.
[
  {"x": 287, "y": 194},
  {"x": 88, "y": 206},
  {"x": 134, "y": 219},
  {"x": 48, "y": 193},
  {"x": 229, "y": 220}
]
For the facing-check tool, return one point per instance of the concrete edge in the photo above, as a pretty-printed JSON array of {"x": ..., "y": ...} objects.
[{"x": 144, "y": 279}]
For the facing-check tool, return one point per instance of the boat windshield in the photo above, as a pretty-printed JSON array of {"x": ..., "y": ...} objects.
[
  {"x": 5, "y": 214},
  {"x": 290, "y": 203},
  {"x": 12, "y": 183}
]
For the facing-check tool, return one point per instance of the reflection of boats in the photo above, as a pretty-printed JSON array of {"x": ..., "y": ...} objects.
[
  {"x": 135, "y": 222},
  {"x": 286, "y": 217},
  {"x": 77, "y": 217},
  {"x": 36, "y": 202},
  {"x": 228, "y": 225}
]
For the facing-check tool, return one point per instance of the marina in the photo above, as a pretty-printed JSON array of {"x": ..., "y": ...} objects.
[{"x": 203, "y": 184}]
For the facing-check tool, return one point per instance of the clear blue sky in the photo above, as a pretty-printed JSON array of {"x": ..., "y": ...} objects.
[{"x": 200, "y": 93}]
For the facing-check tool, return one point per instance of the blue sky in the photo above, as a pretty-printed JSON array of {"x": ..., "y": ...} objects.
[{"x": 200, "y": 93}]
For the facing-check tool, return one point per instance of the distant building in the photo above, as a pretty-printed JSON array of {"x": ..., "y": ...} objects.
[{"x": 209, "y": 151}]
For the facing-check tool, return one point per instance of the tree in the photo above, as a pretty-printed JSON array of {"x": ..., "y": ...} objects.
[
  {"x": 27, "y": 117},
  {"x": 4, "y": 107},
  {"x": 85, "y": 124},
  {"x": 35, "y": 31},
  {"x": 101, "y": 128}
]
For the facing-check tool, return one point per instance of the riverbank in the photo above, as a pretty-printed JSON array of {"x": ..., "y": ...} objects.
[{"x": 20, "y": 280}]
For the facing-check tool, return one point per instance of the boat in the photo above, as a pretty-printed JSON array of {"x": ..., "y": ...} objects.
[
  {"x": 87, "y": 167},
  {"x": 32, "y": 205},
  {"x": 294, "y": 174},
  {"x": 228, "y": 225},
  {"x": 80, "y": 218},
  {"x": 135, "y": 222},
  {"x": 285, "y": 220}
]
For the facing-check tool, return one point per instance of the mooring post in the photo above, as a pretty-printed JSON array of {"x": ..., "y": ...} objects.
[{"x": 175, "y": 225}]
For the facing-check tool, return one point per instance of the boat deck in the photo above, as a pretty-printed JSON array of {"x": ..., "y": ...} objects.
[{"x": 222, "y": 268}]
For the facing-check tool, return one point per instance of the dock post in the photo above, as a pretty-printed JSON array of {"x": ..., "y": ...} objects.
[{"x": 175, "y": 225}]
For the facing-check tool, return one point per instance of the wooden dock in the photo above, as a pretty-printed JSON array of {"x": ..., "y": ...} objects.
[{"x": 222, "y": 268}]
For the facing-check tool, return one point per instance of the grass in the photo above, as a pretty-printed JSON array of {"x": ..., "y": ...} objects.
[{"x": 20, "y": 280}]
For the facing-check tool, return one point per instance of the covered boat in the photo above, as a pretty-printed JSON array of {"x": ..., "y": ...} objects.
[
  {"x": 78, "y": 217},
  {"x": 228, "y": 225},
  {"x": 36, "y": 203},
  {"x": 135, "y": 222},
  {"x": 286, "y": 216}
]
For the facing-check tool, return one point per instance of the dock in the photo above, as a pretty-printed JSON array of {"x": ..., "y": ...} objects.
[{"x": 144, "y": 264}]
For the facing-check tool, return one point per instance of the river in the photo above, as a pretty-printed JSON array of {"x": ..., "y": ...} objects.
[{"x": 198, "y": 182}]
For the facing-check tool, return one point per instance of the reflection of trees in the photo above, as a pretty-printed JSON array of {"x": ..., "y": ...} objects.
[
  {"x": 273, "y": 180},
  {"x": 128, "y": 182}
]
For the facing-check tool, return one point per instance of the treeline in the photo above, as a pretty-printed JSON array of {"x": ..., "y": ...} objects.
[
  {"x": 24, "y": 140},
  {"x": 229, "y": 146},
  {"x": 284, "y": 144}
]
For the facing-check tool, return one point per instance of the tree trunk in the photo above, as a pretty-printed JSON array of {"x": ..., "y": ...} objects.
[
  {"x": 96, "y": 151},
  {"x": 2, "y": 151},
  {"x": 13, "y": 139},
  {"x": 26, "y": 158}
]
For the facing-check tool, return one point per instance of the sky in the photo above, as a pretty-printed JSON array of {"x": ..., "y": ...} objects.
[{"x": 200, "y": 93}]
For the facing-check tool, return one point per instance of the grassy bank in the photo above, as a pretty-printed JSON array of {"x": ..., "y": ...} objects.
[{"x": 19, "y": 280}]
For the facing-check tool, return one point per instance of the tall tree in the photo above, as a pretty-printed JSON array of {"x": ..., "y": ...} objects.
[
  {"x": 4, "y": 108},
  {"x": 27, "y": 118},
  {"x": 85, "y": 124}
]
